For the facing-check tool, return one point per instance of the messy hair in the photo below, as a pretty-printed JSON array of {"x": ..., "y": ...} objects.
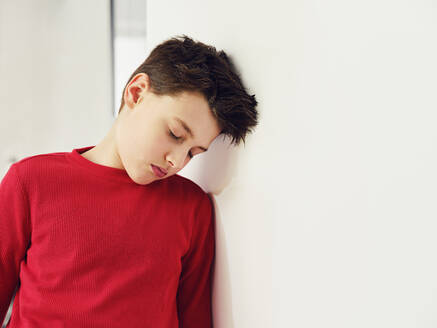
[{"x": 181, "y": 64}]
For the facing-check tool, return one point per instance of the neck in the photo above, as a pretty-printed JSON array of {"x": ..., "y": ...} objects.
[{"x": 105, "y": 152}]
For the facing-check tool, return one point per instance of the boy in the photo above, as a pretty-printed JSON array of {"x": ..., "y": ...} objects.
[{"x": 110, "y": 235}]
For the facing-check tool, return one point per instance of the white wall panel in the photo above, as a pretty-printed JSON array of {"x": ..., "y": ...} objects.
[{"x": 55, "y": 76}]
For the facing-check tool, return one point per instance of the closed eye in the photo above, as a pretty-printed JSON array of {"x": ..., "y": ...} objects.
[
  {"x": 178, "y": 138},
  {"x": 172, "y": 134}
]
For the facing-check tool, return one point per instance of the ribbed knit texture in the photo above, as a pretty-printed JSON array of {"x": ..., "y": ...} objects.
[{"x": 91, "y": 248}]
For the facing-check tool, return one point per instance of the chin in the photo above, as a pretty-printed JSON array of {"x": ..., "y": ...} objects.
[{"x": 143, "y": 181}]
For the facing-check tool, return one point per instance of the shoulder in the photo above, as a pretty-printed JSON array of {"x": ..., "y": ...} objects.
[
  {"x": 186, "y": 185},
  {"x": 197, "y": 202},
  {"x": 40, "y": 159},
  {"x": 32, "y": 167},
  {"x": 185, "y": 190}
]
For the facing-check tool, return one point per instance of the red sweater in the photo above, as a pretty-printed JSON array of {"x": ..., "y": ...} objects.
[{"x": 91, "y": 248}]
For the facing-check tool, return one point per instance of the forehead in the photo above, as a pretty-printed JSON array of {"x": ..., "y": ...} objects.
[{"x": 193, "y": 111}]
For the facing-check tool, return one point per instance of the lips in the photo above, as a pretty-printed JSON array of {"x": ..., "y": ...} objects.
[{"x": 158, "y": 171}]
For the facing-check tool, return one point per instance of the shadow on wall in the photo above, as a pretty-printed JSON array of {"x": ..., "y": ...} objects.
[
  {"x": 221, "y": 289},
  {"x": 216, "y": 172},
  {"x": 218, "y": 167}
]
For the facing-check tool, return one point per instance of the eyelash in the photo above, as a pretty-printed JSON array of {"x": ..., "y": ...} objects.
[{"x": 177, "y": 138}]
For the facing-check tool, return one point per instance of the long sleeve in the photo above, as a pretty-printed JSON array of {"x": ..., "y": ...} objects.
[
  {"x": 14, "y": 235},
  {"x": 195, "y": 284}
]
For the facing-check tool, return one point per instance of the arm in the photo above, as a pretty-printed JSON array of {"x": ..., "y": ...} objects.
[
  {"x": 195, "y": 283},
  {"x": 14, "y": 235}
]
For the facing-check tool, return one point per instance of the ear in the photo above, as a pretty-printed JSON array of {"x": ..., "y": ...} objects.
[{"x": 137, "y": 87}]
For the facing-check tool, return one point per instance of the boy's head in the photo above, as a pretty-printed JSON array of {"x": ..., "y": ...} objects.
[
  {"x": 182, "y": 64},
  {"x": 186, "y": 80}
]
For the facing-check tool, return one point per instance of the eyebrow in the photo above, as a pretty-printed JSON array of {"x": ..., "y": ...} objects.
[{"x": 187, "y": 128}]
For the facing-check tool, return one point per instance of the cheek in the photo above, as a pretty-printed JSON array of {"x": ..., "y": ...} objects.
[
  {"x": 157, "y": 146},
  {"x": 187, "y": 160}
]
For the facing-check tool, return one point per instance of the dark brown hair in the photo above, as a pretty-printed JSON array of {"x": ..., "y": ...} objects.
[{"x": 182, "y": 64}]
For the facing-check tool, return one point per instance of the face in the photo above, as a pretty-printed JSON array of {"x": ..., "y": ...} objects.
[{"x": 163, "y": 132}]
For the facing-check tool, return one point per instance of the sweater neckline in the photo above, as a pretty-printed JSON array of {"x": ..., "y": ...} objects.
[{"x": 107, "y": 172}]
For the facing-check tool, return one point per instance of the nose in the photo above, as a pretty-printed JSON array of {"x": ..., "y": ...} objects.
[{"x": 176, "y": 159}]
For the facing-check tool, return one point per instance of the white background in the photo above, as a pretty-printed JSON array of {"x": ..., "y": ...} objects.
[
  {"x": 327, "y": 217},
  {"x": 55, "y": 76}
]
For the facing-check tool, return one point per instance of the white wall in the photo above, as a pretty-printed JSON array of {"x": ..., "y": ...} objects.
[
  {"x": 130, "y": 37},
  {"x": 327, "y": 217},
  {"x": 55, "y": 76}
]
